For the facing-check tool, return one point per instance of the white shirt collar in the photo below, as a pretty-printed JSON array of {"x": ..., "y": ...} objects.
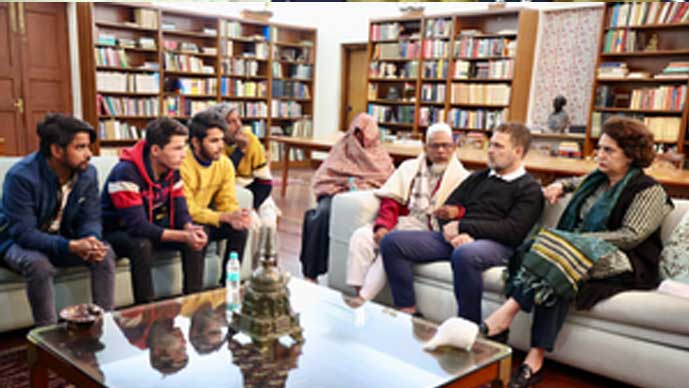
[{"x": 514, "y": 175}]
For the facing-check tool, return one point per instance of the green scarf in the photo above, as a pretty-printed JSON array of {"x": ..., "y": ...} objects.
[
  {"x": 596, "y": 219},
  {"x": 558, "y": 260}
]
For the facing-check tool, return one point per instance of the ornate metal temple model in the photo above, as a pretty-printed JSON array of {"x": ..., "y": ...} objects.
[{"x": 266, "y": 314}]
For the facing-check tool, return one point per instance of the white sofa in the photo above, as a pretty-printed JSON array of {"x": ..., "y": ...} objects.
[
  {"x": 638, "y": 337},
  {"x": 72, "y": 285}
]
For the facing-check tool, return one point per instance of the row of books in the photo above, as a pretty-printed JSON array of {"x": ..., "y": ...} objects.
[
  {"x": 240, "y": 67},
  {"x": 282, "y": 70},
  {"x": 438, "y": 28},
  {"x": 385, "y": 31},
  {"x": 303, "y": 54},
  {"x": 470, "y": 47},
  {"x": 143, "y": 42},
  {"x": 436, "y": 48},
  {"x": 392, "y": 114},
  {"x": 477, "y": 119},
  {"x": 621, "y": 41},
  {"x": 392, "y": 92},
  {"x": 431, "y": 115},
  {"x": 192, "y": 86},
  {"x": 435, "y": 69},
  {"x": 433, "y": 93},
  {"x": 111, "y": 81},
  {"x": 239, "y": 88},
  {"x": 127, "y": 106},
  {"x": 169, "y": 25},
  {"x": 106, "y": 56},
  {"x": 489, "y": 94},
  {"x": 257, "y": 127},
  {"x": 117, "y": 130},
  {"x": 496, "y": 69},
  {"x": 619, "y": 70},
  {"x": 382, "y": 69},
  {"x": 662, "y": 97},
  {"x": 402, "y": 50},
  {"x": 146, "y": 18},
  {"x": 234, "y": 29},
  {"x": 636, "y": 14},
  {"x": 178, "y": 106},
  {"x": 664, "y": 129},
  {"x": 257, "y": 50},
  {"x": 185, "y": 62},
  {"x": 253, "y": 109},
  {"x": 296, "y": 89},
  {"x": 281, "y": 108}
]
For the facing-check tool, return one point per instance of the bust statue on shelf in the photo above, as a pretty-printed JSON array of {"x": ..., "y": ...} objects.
[
  {"x": 558, "y": 121},
  {"x": 390, "y": 70},
  {"x": 652, "y": 43}
]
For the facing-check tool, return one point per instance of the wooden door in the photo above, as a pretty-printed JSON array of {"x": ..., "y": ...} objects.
[
  {"x": 45, "y": 55},
  {"x": 11, "y": 117},
  {"x": 354, "y": 78}
]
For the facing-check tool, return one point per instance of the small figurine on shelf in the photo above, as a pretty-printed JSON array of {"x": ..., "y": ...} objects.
[
  {"x": 558, "y": 121},
  {"x": 393, "y": 93},
  {"x": 390, "y": 70},
  {"x": 652, "y": 43}
]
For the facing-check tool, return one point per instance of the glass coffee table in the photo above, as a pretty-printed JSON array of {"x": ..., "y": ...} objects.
[{"x": 186, "y": 342}]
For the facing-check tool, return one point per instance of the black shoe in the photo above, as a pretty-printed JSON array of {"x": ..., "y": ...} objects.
[
  {"x": 524, "y": 377},
  {"x": 501, "y": 337}
]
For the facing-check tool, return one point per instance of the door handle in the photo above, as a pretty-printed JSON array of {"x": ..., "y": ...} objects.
[
  {"x": 13, "y": 18},
  {"x": 19, "y": 105},
  {"x": 349, "y": 108}
]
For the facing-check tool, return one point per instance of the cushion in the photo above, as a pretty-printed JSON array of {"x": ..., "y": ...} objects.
[{"x": 674, "y": 263}]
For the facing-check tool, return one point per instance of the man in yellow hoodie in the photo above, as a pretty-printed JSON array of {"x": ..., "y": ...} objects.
[{"x": 209, "y": 185}]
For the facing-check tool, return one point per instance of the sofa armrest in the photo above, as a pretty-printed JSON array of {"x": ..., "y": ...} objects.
[
  {"x": 245, "y": 197},
  {"x": 349, "y": 211}
]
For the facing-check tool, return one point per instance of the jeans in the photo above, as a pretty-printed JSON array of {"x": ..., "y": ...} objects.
[
  {"x": 547, "y": 321},
  {"x": 140, "y": 252},
  {"x": 401, "y": 249},
  {"x": 38, "y": 269},
  {"x": 236, "y": 242}
]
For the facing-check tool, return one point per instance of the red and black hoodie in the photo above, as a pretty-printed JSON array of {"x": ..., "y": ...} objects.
[{"x": 132, "y": 201}]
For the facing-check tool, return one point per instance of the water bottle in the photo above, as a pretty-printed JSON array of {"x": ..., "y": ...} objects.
[{"x": 234, "y": 302}]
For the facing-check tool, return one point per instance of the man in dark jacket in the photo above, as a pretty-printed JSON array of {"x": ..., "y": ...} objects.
[
  {"x": 144, "y": 208},
  {"x": 489, "y": 215},
  {"x": 50, "y": 216}
]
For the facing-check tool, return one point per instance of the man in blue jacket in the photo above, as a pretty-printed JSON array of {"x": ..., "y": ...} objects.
[
  {"x": 50, "y": 216},
  {"x": 145, "y": 210}
]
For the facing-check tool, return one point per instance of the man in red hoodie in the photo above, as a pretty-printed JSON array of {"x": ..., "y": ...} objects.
[{"x": 144, "y": 208}]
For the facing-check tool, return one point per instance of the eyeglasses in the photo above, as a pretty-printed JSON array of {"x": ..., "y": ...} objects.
[{"x": 437, "y": 146}]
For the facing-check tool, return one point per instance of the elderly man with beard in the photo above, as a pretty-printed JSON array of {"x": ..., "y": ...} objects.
[
  {"x": 50, "y": 216},
  {"x": 408, "y": 199},
  {"x": 209, "y": 185},
  {"x": 484, "y": 220}
]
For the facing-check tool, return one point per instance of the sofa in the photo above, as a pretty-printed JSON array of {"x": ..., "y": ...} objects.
[
  {"x": 638, "y": 337},
  {"x": 72, "y": 285}
]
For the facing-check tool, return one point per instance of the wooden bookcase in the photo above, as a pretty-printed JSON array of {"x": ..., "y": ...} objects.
[
  {"x": 151, "y": 61},
  {"x": 638, "y": 43},
  {"x": 431, "y": 79}
]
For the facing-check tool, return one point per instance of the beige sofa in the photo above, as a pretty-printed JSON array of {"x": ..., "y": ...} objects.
[
  {"x": 72, "y": 285},
  {"x": 639, "y": 337}
]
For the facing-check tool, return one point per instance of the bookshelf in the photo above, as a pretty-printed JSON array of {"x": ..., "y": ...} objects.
[
  {"x": 151, "y": 61},
  {"x": 642, "y": 71},
  {"x": 465, "y": 69}
]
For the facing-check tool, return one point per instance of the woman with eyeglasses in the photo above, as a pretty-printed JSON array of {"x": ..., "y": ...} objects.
[{"x": 607, "y": 241}]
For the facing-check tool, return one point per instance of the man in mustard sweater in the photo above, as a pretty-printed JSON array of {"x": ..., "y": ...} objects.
[{"x": 209, "y": 185}]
